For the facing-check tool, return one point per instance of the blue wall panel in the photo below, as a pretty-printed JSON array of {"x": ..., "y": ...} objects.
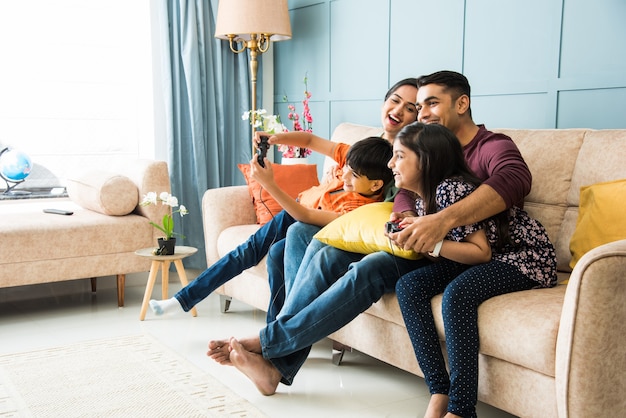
[
  {"x": 597, "y": 109},
  {"x": 509, "y": 45},
  {"x": 513, "y": 110},
  {"x": 593, "y": 39},
  {"x": 306, "y": 52},
  {"x": 359, "y": 32},
  {"x": 422, "y": 43}
]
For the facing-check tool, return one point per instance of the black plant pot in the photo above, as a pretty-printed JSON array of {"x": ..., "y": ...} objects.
[{"x": 166, "y": 246}]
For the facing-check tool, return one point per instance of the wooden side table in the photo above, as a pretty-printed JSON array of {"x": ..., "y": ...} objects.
[{"x": 163, "y": 262}]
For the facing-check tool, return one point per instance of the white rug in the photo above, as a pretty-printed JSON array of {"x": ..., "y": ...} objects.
[{"x": 133, "y": 376}]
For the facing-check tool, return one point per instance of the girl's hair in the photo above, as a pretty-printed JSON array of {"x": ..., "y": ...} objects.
[
  {"x": 369, "y": 157},
  {"x": 441, "y": 157},
  {"x": 412, "y": 81}
]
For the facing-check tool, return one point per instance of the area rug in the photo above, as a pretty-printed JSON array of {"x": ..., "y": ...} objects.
[{"x": 134, "y": 376}]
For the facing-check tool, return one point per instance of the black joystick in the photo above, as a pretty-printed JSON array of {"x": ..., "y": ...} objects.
[
  {"x": 392, "y": 227},
  {"x": 262, "y": 150}
]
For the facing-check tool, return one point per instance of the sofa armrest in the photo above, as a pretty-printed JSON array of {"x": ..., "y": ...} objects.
[
  {"x": 222, "y": 208},
  {"x": 149, "y": 176},
  {"x": 590, "y": 360}
]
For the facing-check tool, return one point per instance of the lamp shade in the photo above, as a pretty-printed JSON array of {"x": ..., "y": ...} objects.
[{"x": 244, "y": 17}]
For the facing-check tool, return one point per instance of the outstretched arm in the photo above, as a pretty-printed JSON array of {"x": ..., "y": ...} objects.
[
  {"x": 265, "y": 177},
  {"x": 302, "y": 140}
]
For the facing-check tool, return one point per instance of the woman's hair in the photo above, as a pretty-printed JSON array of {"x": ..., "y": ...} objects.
[
  {"x": 369, "y": 157},
  {"x": 412, "y": 81},
  {"x": 441, "y": 157}
]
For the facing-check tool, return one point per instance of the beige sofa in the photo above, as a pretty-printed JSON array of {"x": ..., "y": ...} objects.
[
  {"x": 39, "y": 248},
  {"x": 556, "y": 352}
]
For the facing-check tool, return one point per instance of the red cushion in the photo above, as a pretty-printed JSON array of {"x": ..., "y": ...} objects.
[{"x": 293, "y": 179}]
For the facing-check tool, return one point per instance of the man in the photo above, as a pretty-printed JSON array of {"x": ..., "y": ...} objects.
[{"x": 333, "y": 286}]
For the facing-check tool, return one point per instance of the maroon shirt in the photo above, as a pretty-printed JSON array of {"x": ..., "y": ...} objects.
[{"x": 495, "y": 159}]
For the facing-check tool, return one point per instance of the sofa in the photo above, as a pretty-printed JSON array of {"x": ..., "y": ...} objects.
[
  {"x": 557, "y": 352},
  {"x": 100, "y": 237}
]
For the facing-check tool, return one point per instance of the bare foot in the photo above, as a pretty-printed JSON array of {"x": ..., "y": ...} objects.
[
  {"x": 438, "y": 406},
  {"x": 262, "y": 373},
  {"x": 219, "y": 350}
]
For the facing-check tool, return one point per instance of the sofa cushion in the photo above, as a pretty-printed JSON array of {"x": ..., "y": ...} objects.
[
  {"x": 293, "y": 179},
  {"x": 600, "y": 217},
  {"x": 362, "y": 231},
  {"x": 552, "y": 177},
  {"x": 104, "y": 192},
  {"x": 35, "y": 235}
]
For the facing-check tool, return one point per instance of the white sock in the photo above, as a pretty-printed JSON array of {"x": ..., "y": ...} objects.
[{"x": 165, "y": 307}]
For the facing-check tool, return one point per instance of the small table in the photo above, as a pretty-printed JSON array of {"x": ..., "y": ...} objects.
[{"x": 163, "y": 262}]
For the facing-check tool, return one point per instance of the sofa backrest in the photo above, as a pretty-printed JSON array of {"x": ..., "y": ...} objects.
[
  {"x": 560, "y": 160},
  {"x": 349, "y": 133}
]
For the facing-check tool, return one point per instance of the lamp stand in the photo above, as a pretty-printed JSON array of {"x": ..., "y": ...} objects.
[{"x": 258, "y": 44}]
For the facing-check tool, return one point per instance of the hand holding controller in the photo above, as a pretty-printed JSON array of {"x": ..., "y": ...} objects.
[
  {"x": 262, "y": 150},
  {"x": 391, "y": 227}
]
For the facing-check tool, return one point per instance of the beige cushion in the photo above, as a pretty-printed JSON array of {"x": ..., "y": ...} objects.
[{"x": 104, "y": 192}]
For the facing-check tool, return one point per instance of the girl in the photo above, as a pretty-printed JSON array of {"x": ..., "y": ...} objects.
[{"x": 510, "y": 252}]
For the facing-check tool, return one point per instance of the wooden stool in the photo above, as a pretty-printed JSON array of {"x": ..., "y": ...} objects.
[{"x": 163, "y": 262}]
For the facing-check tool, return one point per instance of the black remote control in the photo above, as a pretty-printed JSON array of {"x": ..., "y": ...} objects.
[
  {"x": 58, "y": 211},
  {"x": 262, "y": 150}
]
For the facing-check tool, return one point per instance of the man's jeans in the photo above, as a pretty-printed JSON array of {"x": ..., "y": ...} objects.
[
  {"x": 241, "y": 258},
  {"x": 334, "y": 288}
]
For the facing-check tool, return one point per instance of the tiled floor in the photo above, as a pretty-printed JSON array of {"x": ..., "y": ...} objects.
[{"x": 40, "y": 316}]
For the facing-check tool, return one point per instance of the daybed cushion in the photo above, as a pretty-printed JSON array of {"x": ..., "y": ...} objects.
[{"x": 104, "y": 192}]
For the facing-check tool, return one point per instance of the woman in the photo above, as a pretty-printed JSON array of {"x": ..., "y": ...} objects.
[{"x": 507, "y": 253}]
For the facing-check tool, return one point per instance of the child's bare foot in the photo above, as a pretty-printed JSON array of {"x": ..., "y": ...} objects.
[
  {"x": 262, "y": 373},
  {"x": 438, "y": 406},
  {"x": 219, "y": 350}
]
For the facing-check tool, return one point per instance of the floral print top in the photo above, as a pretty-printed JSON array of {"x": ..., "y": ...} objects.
[{"x": 529, "y": 248}]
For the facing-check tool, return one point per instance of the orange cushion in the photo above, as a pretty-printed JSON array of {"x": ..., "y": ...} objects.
[{"x": 293, "y": 179}]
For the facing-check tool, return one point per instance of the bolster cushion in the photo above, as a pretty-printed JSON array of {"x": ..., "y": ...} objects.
[{"x": 104, "y": 192}]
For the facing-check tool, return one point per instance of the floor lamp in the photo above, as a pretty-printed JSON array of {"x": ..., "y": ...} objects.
[{"x": 252, "y": 25}]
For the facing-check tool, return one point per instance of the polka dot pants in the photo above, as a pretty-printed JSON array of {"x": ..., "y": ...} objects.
[{"x": 464, "y": 289}]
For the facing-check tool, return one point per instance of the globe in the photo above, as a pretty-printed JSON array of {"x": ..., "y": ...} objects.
[{"x": 15, "y": 165}]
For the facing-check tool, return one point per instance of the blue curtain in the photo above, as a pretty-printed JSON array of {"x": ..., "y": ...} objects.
[{"x": 209, "y": 92}]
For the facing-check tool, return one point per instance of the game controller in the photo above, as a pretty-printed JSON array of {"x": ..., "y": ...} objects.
[
  {"x": 391, "y": 227},
  {"x": 262, "y": 150}
]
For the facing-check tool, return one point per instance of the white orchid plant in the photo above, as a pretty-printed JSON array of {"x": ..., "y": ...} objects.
[
  {"x": 272, "y": 124},
  {"x": 165, "y": 198}
]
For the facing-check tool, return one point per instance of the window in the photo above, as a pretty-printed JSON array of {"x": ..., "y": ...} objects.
[{"x": 76, "y": 85}]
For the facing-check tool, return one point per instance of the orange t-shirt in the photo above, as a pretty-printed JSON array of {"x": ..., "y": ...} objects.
[{"x": 330, "y": 195}]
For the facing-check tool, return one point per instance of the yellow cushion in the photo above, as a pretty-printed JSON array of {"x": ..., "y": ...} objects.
[
  {"x": 600, "y": 217},
  {"x": 362, "y": 231}
]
